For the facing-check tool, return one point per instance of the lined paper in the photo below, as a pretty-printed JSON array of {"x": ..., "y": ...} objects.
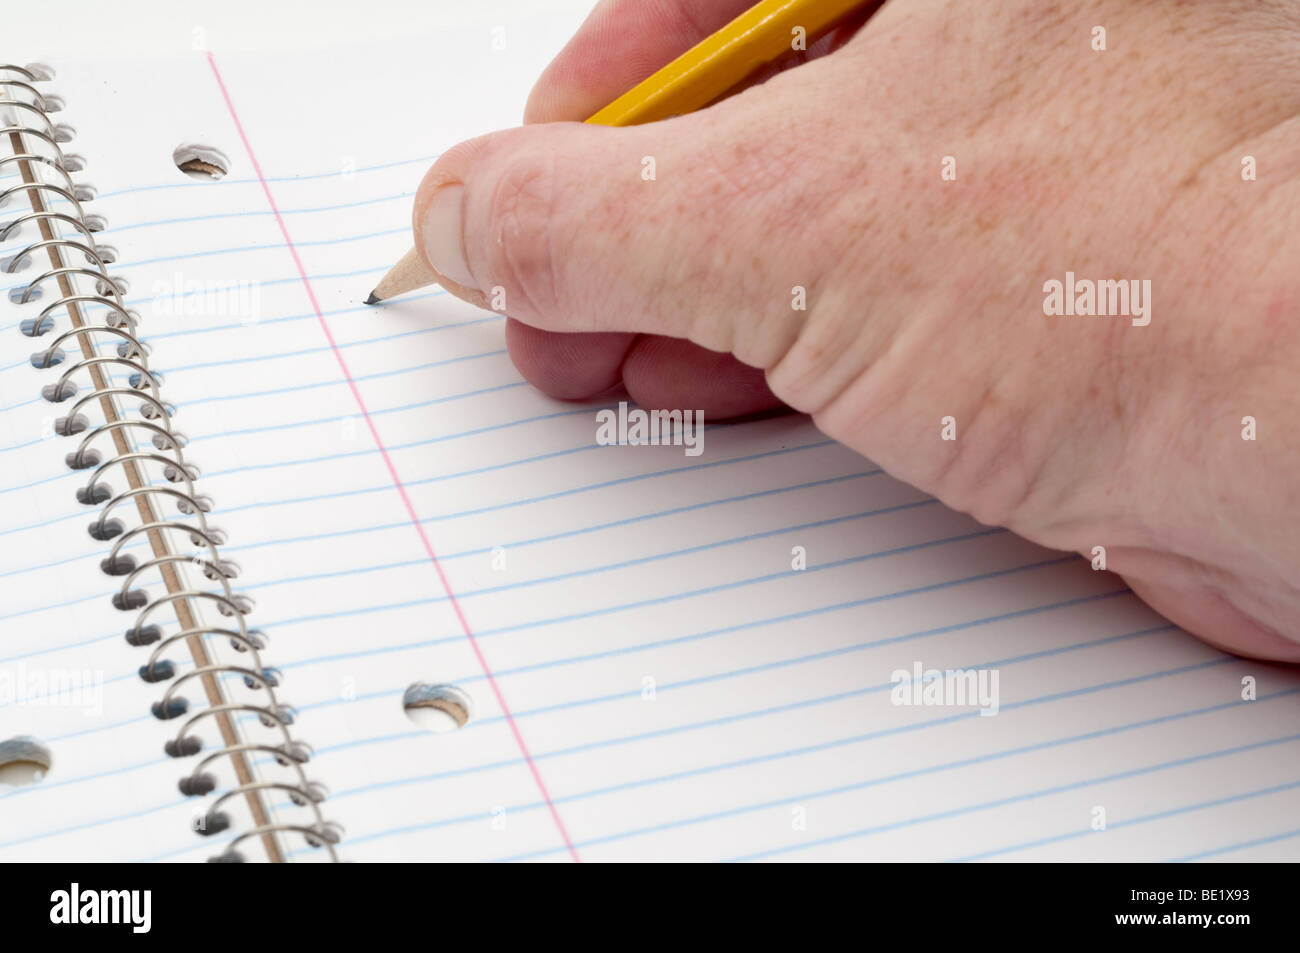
[{"x": 650, "y": 677}]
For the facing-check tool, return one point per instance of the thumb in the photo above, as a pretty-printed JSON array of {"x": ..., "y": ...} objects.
[{"x": 673, "y": 228}]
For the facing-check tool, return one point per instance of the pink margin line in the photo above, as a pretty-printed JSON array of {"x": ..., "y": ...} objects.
[{"x": 392, "y": 470}]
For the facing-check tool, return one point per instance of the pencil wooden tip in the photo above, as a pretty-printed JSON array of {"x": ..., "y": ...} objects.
[{"x": 407, "y": 275}]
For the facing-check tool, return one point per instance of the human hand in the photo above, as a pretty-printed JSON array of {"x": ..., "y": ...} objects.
[{"x": 926, "y": 293}]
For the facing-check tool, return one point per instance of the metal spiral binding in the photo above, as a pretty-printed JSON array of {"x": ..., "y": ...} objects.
[{"x": 125, "y": 435}]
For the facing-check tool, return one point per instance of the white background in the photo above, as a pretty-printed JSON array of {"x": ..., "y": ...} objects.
[{"x": 75, "y": 28}]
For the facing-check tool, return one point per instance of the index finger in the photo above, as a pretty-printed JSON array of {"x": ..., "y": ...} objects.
[{"x": 619, "y": 44}]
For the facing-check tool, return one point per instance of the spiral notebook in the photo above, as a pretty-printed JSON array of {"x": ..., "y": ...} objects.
[{"x": 286, "y": 578}]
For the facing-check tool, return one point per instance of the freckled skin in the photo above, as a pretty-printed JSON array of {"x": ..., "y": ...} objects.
[{"x": 925, "y": 296}]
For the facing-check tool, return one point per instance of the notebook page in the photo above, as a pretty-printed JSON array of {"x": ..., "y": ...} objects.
[
  {"x": 110, "y": 793},
  {"x": 650, "y": 677},
  {"x": 77, "y": 742},
  {"x": 67, "y": 678}
]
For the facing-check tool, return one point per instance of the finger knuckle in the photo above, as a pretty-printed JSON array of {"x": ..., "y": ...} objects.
[{"x": 522, "y": 233}]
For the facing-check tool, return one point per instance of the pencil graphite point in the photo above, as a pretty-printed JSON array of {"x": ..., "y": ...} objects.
[{"x": 372, "y": 299}]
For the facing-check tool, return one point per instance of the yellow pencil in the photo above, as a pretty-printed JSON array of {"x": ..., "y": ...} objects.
[{"x": 719, "y": 63}]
